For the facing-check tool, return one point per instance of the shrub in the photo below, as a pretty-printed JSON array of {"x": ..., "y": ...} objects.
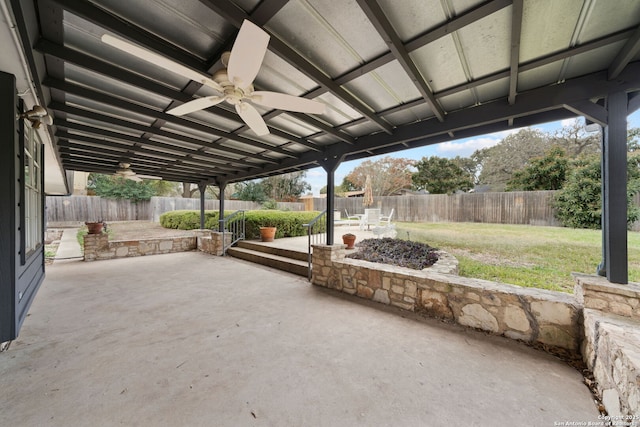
[
  {"x": 578, "y": 204},
  {"x": 288, "y": 223},
  {"x": 189, "y": 220}
]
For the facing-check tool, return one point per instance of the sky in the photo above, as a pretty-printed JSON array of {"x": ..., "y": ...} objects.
[{"x": 317, "y": 177}]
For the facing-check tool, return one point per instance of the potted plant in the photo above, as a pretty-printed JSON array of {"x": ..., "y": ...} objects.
[
  {"x": 95, "y": 227},
  {"x": 267, "y": 233},
  {"x": 349, "y": 239}
]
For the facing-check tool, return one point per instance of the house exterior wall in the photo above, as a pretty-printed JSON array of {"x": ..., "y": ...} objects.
[{"x": 20, "y": 273}]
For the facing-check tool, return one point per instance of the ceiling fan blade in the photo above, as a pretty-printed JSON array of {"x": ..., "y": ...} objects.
[
  {"x": 159, "y": 60},
  {"x": 282, "y": 101},
  {"x": 252, "y": 118},
  {"x": 195, "y": 105},
  {"x": 247, "y": 54}
]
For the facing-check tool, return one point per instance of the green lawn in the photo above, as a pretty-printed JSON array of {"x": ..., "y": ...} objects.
[{"x": 540, "y": 257}]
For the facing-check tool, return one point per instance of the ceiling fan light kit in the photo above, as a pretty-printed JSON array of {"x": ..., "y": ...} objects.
[
  {"x": 234, "y": 82},
  {"x": 126, "y": 172}
]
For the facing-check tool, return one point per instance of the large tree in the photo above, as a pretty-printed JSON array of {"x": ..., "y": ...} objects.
[
  {"x": 287, "y": 187},
  {"x": 188, "y": 191},
  {"x": 579, "y": 202},
  {"x": 633, "y": 140},
  {"x": 115, "y": 187},
  {"x": 251, "y": 191},
  {"x": 164, "y": 188},
  {"x": 498, "y": 163},
  {"x": 438, "y": 175},
  {"x": 470, "y": 165},
  {"x": 388, "y": 175},
  {"x": 576, "y": 141},
  {"x": 342, "y": 188},
  {"x": 543, "y": 173}
]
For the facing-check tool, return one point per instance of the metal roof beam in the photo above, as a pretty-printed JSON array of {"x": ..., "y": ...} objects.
[
  {"x": 516, "y": 31},
  {"x": 126, "y": 156},
  {"x": 531, "y": 102},
  {"x": 109, "y": 169},
  {"x": 537, "y": 63},
  {"x": 590, "y": 110},
  {"x": 626, "y": 54},
  {"x": 151, "y": 42},
  {"x": 101, "y": 67},
  {"x": 56, "y": 106},
  {"x": 138, "y": 167},
  {"x": 117, "y": 25},
  {"x": 103, "y": 133},
  {"x": 99, "y": 145},
  {"x": 111, "y": 161},
  {"x": 634, "y": 103},
  {"x": 445, "y": 29},
  {"x": 536, "y": 106},
  {"x": 109, "y": 70},
  {"x": 380, "y": 22},
  {"x": 119, "y": 103},
  {"x": 150, "y": 167}
]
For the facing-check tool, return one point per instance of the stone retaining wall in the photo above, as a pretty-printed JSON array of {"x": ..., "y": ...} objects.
[
  {"x": 528, "y": 314},
  {"x": 611, "y": 348},
  {"x": 98, "y": 246}
]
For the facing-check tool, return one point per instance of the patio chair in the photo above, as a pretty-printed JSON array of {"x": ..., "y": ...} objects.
[
  {"x": 352, "y": 219},
  {"x": 386, "y": 228},
  {"x": 370, "y": 217},
  {"x": 384, "y": 218}
]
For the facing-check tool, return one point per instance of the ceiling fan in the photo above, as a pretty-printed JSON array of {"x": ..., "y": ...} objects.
[
  {"x": 234, "y": 82},
  {"x": 125, "y": 172}
]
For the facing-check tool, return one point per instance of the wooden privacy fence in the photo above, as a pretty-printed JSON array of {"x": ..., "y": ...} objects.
[
  {"x": 92, "y": 208},
  {"x": 87, "y": 208},
  {"x": 517, "y": 207}
]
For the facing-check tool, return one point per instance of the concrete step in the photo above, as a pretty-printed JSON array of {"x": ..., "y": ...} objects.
[
  {"x": 270, "y": 249},
  {"x": 279, "y": 262}
]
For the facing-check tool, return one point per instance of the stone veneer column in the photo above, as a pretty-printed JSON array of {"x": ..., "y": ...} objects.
[
  {"x": 596, "y": 292},
  {"x": 211, "y": 241},
  {"x": 94, "y": 244},
  {"x": 322, "y": 260}
]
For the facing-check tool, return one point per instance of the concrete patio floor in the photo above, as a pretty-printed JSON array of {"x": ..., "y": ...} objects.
[{"x": 193, "y": 340}]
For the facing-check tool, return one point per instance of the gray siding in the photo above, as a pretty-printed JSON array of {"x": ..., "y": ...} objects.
[{"x": 20, "y": 277}]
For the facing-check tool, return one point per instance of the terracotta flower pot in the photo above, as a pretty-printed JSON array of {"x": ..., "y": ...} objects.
[
  {"x": 349, "y": 240},
  {"x": 94, "y": 227},
  {"x": 267, "y": 234}
]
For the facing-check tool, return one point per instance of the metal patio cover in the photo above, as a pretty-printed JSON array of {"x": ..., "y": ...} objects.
[{"x": 394, "y": 74}]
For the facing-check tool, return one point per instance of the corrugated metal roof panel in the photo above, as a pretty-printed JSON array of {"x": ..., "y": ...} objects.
[
  {"x": 459, "y": 67},
  {"x": 187, "y": 24},
  {"x": 547, "y": 26},
  {"x": 490, "y": 52},
  {"x": 439, "y": 63}
]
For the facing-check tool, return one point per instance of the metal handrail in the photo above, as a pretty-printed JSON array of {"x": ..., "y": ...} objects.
[
  {"x": 315, "y": 238},
  {"x": 233, "y": 224}
]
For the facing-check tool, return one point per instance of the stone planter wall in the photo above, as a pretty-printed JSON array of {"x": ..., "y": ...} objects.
[{"x": 531, "y": 315}]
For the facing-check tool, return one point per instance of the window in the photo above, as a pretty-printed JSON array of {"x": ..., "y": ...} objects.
[{"x": 32, "y": 226}]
